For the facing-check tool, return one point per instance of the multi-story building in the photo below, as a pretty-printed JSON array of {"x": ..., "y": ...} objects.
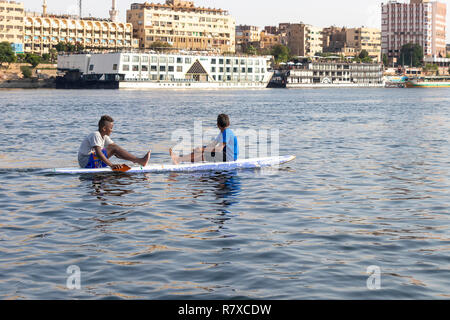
[
  {"x": 268, "y": 40},
  {"x": 420, "y": 22},
  {"x": 448, "y": 50},
  {"x": 182, "y": 25},
  {"x": 247, "y": 34},
  {"x": 44, "y": 32},
  {"x": 303, "y": 39},
  {"x": 368, "y": 39},
  {"x": 11, "y": 24}
]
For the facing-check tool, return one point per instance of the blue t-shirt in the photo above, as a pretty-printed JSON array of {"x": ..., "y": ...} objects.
[{"x": 232, "y": 147}]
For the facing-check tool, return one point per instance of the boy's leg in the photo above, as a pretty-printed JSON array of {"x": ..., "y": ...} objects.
[
  {"x": 196, "y": 156},
  {"x": 115, "y": 150}
]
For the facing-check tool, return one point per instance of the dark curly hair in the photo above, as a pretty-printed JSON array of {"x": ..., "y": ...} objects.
[{"x": 103, "y": 121}]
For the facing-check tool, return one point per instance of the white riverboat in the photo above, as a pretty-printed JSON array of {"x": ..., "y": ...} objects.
[{"x": 131, "y": 70}]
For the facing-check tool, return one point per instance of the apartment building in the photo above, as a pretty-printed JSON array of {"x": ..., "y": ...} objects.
[
  {"x": 368, "y": 39},
  {"x": 421, "y": 22},
  {"x": 303, "y": 39},
  {"x": 268, "y": 40},
  {"x": 11, "y": 24},
  {"x": 247, "y": 34},
  {"x": 44, "y": 32},
  {"x": 183, "y": 26}
]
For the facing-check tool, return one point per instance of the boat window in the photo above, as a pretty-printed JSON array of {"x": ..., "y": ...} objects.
[
  {"x": 114, "y": 67},
  {"x": 91, "y": 67}
]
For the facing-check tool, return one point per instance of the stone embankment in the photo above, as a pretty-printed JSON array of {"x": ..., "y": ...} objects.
[{"x": 43, "y": 76}]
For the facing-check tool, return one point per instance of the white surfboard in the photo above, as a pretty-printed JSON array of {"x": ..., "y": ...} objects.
[{"x": 186, "y": 167}]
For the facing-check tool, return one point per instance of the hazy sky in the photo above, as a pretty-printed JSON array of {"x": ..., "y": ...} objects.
[{"x": 321, "y": 13}]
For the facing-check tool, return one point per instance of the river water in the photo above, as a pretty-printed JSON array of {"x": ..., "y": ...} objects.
[{"x": 369, "y": 187}]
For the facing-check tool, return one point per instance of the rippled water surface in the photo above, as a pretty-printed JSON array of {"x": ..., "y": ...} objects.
[{"x": 370, "y": 187}]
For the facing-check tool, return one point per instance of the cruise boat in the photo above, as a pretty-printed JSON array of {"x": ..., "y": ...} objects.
[
  {"x": 329, "y": 75},
  {"x": 182, "y": 70},
  {"x": 429, "y": 82}
]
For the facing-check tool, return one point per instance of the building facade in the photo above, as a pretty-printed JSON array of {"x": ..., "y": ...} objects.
[
  {"x": 43, "y": 33},
  {"x": 420, "y": 22},
  {"x": 268, "y": 40},
  {"x": 11, "y": 24},
  {"x": 247, "y": 34},
  {"x": 368, "y": 39},
  {"x": 302, "y": 39},
  {"x": 182, "y": 25}
]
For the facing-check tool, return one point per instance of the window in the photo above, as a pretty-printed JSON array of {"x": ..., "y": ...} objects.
[
  {"x": 154, "y": 59},
  {"x": 135, "y": 58},
  {"x": 125, "y": 67},
  {"x": 162, "y": 68},
  {"x": 135, "y": 68},
  {"x": 144, "y": 59},
  {"x": 171, "y": 59},
  {"x": 126, "y": 58},
  {"x": 213, "y": 61},
  {"x": 154, "y": 68},
  {"x": 179, "y": 68},
  {"x": 171, "y": 68},
  {"x": 220, "y": 61},
  {"x": 187, "y": 60},
  {"x": 179, "y": 60},
  {"x": 91, "y": 67},
  {"x": 213, "y": 69},
  {"x": 228, "y": 61},
  {"x": 114, "y": 67},
  {"x": 163, "y": 60},
  {"x": 144, "y": 68}
]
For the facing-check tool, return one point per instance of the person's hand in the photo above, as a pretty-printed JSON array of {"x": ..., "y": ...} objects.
[{"x": 116, "y": 166}]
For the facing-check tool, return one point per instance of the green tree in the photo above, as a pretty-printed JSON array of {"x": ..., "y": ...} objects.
[
  {"x": 411, "y": 55},
  {"x": 26, "y": 71},
  {"x": 250, "y": 50},
  {"x": 363, "y": 54},
  {"x": 6, "y": 53},
  {"x": 159, "y": 45},
  {"x": 281, "y": 53},
  {"x": 20, "y": 57},
  {"x": 385, "y": 60},
  {"x": 46, "y": 57},
  {"x": 33, "y": 59},
  {"x": 53, "y": 55}
]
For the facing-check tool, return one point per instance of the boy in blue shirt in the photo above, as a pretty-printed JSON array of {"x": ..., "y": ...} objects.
[{"x": 223, "y": 148}]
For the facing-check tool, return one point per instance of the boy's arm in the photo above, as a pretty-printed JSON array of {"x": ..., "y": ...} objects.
[
  {"x": 102, "y": 157},
  {"x": 214, "y": 146}
]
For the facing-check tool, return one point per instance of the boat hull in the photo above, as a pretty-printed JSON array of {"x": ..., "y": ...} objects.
[{"x": 428, "y": 84}]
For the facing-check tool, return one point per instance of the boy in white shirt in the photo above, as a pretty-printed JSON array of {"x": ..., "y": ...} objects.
[{"x": 97, "y": 148}]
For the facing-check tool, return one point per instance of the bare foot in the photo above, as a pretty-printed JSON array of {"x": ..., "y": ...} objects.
[
  {"x": 144, "y": 161},
  {"x": 175, "y": 158}
]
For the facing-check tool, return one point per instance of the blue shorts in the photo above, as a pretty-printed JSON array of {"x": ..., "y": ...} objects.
[{"x": 95, "y": 162}]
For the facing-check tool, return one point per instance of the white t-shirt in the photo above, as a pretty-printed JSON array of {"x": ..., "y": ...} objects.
[{"x": 87, "y": 146}]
